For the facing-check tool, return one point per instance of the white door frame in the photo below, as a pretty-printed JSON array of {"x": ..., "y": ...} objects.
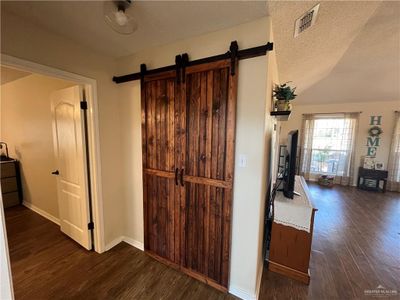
[{"x": 93, "y": 135}]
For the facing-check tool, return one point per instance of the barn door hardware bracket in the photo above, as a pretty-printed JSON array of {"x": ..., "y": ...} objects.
[
  {"x": 178, "y": 66},
  {"x": 185, "y": 61},
  {"x": 143, "y": 70},
  {"x": 233, "y": 52}
]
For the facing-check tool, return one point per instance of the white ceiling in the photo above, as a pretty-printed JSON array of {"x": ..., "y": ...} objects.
[
  {"x": 351, "y": 54},
  {"x": 160, "y": 22},
  {"x": 9, "y": 74}
]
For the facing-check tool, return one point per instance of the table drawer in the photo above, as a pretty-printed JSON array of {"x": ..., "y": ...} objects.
[
  {"x": 10, "y": 199},
  {"x": 9, "y": 184},
  {"x": 8, "y": 169}
]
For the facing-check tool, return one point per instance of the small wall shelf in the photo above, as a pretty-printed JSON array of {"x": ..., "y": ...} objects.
[{"x": 281, "y": 115}]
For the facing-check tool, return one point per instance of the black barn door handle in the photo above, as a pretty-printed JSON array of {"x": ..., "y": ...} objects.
[
  {"x": 182, "y": 170},
  {"x": 176, "y": 176},
  {"x": 56, "y": 172}
]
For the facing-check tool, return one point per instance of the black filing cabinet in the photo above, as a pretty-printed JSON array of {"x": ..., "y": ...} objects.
[{"x": 10, "y": 183}]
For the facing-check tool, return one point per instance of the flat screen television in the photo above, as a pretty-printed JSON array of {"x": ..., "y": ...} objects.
[{"x": 290, "y": 164}]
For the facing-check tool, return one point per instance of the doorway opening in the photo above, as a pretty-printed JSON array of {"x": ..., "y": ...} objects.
[{"x": 51, "y": 131}]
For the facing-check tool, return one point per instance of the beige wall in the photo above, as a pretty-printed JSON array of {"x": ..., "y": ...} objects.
[
  {"x": 368, "y": 109},
  {"x": 270, "y": 141},
  {"x": 25, "y": 40},
  {"x": 119, "y": 122},
  {"x": 253, "y": 129},
  {"x": 131, "y": 130},
  {"x": 26, "y": 126}
]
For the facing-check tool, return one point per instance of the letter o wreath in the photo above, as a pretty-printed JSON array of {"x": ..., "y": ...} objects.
[{"x": 375, "y": 131}]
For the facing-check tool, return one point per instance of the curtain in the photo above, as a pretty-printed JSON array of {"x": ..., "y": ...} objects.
[
  {"x": 328, "y": 146},
  {"x": 306, "y": 140},
  {"x": 348, "y": 140},
  {"x": 394, "y": 158}
]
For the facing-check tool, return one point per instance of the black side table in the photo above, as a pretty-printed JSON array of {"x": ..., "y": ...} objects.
[{"x": 375, "y": 175}]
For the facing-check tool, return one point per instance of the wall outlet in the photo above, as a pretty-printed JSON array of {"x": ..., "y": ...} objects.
[{"x": 242, "y": 160}]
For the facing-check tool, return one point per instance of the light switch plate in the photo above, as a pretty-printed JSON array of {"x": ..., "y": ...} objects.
[{"x": 242, "y": 160}]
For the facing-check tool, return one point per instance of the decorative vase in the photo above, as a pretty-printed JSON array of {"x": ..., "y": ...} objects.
[{"x": 282, "y": 105}]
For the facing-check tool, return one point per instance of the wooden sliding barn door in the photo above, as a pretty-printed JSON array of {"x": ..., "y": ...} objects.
[
  {"x": 188, "y": 164},
  {"x": 210, "y": 101},
  {"x": 160, "y": 191}
]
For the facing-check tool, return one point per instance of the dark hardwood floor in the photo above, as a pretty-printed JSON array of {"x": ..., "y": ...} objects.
[
  {"x": 355, "y": 248},
  {"x": 48, "y": 265}
]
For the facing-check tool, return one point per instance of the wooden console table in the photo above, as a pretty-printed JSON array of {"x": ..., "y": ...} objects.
[
  {"x": 374, "y": 175},
  {"x": 291, "y": 237}
]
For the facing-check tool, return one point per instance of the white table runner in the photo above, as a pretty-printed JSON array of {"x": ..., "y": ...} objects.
[{"x": 294, "y": 212}]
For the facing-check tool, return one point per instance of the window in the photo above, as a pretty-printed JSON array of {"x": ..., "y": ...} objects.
[
  {"x": 397, "y": 169},
  {"x": 327, "y": 146},
  {"x": 331, "y": 146}
]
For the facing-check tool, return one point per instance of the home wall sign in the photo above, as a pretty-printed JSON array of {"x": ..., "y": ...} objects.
[{"x": 373, "y": 140}]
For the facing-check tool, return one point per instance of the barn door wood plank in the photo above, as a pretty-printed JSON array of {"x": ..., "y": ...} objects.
[
  {"x": 229, "y": 171},
  {"x": 210, "y": 115},
  {"x": 158, "y": 147},
  {"x": 182, "y": 158}
]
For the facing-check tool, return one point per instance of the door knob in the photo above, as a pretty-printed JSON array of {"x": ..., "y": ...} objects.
[{"x": 56, "y": 172}]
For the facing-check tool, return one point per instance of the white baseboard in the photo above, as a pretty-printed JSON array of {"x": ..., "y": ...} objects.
[
  {"x": 41, "y": 212},
  {"x": 127, "y": 240},
  {"x": 241, "y": 293},
  {"x": 133, "y": 243}
]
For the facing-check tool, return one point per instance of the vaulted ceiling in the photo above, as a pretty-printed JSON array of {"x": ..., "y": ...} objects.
[{"x": 351, "y": 54}]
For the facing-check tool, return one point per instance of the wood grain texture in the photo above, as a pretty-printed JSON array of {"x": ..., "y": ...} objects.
[
  {"x": 161, "y": 195},
  {"x": 198, "y": 276},
  {"x": 206, "y": 114},
  {"x": 46, "y": 264},
  {"x": 224, "y": 63},
  {"x": 291, "y": 247},
  {"x": 210, "y": 104},
  {"x": 187, "y": 134},
  {"x": 303, "y": 277},
  {"x": 355, "y": 247}
]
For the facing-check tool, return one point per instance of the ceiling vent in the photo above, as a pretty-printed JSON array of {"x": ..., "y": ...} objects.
[{"x": 306, "y": 20}]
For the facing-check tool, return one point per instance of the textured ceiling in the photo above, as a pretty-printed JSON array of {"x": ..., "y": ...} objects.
[
  {"x": 9, "y": 74},
  {"x": 160, "y": 22},
  {"x": 351, "y": 54}
]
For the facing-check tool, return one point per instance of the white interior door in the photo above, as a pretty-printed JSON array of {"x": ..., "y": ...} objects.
[{"x": 69, "y": 147}]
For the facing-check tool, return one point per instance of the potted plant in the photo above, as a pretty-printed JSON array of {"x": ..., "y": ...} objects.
[{"x": 284, "y": 94}]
